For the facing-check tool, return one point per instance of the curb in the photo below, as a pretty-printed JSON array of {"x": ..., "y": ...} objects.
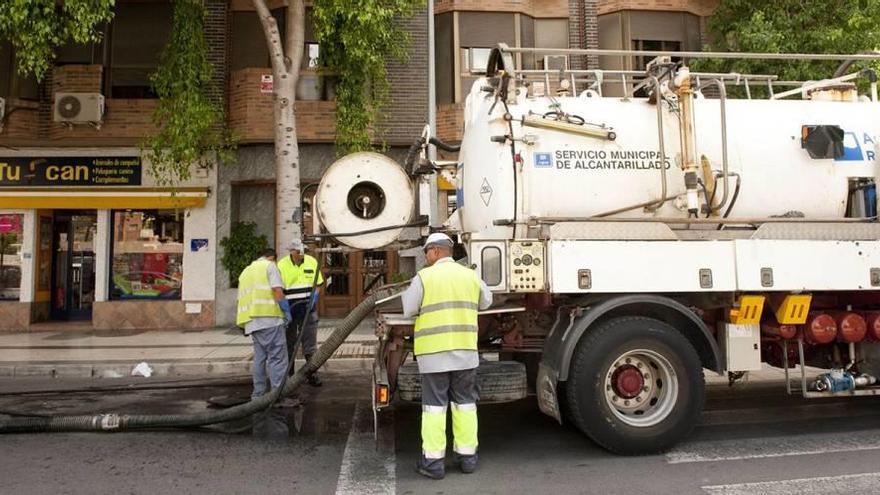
[{"x": 160, "y": 369}]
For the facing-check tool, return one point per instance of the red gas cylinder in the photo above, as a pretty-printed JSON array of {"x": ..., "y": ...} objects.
[
  {"x": 873, "y": 322},
  {"x": 820, "y": 329},
  {"x": 784, "y": 332},
  {"x": 851, "y": 327}
]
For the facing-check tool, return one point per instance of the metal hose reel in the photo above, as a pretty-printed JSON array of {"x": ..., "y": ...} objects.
[{"x": 365, "y": 191}]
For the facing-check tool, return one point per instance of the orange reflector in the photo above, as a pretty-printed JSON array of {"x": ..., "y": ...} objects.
[{"x": 382, "y": 395}]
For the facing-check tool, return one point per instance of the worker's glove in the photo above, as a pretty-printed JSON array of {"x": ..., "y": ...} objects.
[{"x": 284, "y": 304}]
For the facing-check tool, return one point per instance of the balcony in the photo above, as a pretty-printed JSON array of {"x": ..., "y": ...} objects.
[{"x": 251, "y": 116}]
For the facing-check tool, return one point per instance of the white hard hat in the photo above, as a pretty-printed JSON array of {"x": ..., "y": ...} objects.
[
  {"x": 296, "y": 245},
  {"x": 438, "y": 239}
]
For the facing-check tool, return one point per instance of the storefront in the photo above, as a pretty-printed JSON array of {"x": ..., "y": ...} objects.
[{"x": 87, "y": 236}]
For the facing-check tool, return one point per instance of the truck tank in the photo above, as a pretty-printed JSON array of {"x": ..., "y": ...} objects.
[{"x": 565, "y": 175}]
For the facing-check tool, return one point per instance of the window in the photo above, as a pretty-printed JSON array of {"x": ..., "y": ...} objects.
[
  {"x": 139, "y": 33},
  {"x": 147, "y": 254},
  {"x": 10, "y": 257},
  {"x": 12, "y": 84},
  {"x": 490, "y": 262},
  {"x": 474, "y": 60},
  {"x": 641, "y": 62}
]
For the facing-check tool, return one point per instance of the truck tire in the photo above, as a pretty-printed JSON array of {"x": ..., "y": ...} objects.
[
  {"x": 498, "y": 381},
  {"x": 635, "y": 385}
]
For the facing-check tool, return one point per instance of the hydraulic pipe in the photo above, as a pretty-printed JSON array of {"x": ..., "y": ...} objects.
[
  {"x": 123, "y": 422},
  {"x": 725, "y": 167}
]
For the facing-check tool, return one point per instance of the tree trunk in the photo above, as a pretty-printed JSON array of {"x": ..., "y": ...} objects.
[{"x": 286, "y": 57}]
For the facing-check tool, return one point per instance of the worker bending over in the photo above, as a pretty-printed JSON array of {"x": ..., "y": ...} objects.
[
  {"x": 263, "y": 313},
  {"x": 446, "y": 297},
  {"x": 298, "y": 274}
]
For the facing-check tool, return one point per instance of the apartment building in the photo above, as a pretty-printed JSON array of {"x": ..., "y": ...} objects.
[{"x": 87, "y": 235}]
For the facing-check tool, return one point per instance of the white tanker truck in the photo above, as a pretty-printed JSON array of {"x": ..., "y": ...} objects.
[{"x": 634, "y": 242}]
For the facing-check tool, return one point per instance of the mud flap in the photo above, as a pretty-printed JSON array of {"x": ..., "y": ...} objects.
[{"x": 545, "y": 386}]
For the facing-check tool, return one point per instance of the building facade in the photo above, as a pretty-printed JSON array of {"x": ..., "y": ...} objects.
[{"x": 88, "y": 236}]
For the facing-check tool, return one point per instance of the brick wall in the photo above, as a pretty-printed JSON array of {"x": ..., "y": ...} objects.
[
  {"x": 583, "y": 31},
  {"x": 251, "y": 115},
  {"x": 534, "y": 8},
  {"x": 77, "y": 78},
  {"x": 125, "y": 121},
  {"x": 22, "y": 120},
  {"x": 450, "y": 122},
  {"x": 407, "y": 110},
  {"x": 701, "y": 8},
  {"x": 217, "y": 25}
]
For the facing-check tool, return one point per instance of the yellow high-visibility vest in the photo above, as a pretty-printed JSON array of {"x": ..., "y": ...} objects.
[
  {"x": 447, "y": 319},
  {"x": 255, "y": 296},
  {"x": 298, "y": 279}
]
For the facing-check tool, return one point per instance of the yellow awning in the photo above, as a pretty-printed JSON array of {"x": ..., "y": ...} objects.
[{"x": 102, "y": 198}]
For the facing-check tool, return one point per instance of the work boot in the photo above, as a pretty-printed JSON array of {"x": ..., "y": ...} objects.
[
  {"x": 431, "y": 468},
  {"x": 467, "y": 463},
  {"x": 312, "y": 378}
]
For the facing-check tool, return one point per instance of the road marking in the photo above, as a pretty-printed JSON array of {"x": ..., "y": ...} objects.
[
  {"x": 762, "y": 448},
  {"x": 826, "y": 485},
  {"x": 367, "y": 467}
]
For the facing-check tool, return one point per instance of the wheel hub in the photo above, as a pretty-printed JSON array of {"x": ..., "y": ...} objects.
[{"x": 627, "y": 381}]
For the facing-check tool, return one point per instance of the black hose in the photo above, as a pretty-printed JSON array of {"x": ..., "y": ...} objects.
[
  {"x": 451, "y": 148},
  {"x": 706, "y": 197},
  {"x": 122, "y": 422},
  {"x": 410, "y": 160},
  {"x": 732, "y": 201},
  {"x": 418, "y": 223}
]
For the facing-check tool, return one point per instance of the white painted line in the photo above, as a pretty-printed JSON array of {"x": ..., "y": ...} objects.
[
  {"x": 762, "y": 448},
  {"x": 367, "y": 468},
  {"x": 827, "y": 485}
]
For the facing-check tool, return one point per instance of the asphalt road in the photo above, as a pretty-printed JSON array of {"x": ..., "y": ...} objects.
[{"x": 752, "y": 439}]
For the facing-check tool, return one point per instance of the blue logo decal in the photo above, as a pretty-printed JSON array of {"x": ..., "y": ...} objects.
[
  {"x": 543, "y": 160},
  {"x": 852, "y": 150},
  {"x": 855, "y": 149}
]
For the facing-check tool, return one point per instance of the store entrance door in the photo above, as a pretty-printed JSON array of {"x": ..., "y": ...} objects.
[{"x": 73, "y": 264}]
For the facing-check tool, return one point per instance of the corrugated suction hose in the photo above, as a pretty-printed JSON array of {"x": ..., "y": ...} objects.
[{"x": 121, "y": 422}]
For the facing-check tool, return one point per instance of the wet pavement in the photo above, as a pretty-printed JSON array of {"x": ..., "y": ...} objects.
[{"x": 753, "y": 439}]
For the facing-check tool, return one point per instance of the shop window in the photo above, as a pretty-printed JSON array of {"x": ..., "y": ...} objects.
[
  {"x": 139, "y": 34},
  {"x": 147, "y": 254},
  {"x": 10, "y": 257}
]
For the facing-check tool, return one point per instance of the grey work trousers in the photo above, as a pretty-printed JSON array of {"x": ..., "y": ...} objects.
[
  {"x": 460, "y": 386},
  {"x": 270, "y": 354},
  {"x": 310, "y": 329}
]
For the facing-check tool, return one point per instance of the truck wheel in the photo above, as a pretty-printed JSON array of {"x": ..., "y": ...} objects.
[{"x": 635, "y": 386}]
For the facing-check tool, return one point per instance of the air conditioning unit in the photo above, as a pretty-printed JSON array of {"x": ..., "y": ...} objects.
[{"x": 79, "y": 108}]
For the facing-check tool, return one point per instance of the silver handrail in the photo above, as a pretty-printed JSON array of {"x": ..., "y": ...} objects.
[{"x": 690, "y": 54}]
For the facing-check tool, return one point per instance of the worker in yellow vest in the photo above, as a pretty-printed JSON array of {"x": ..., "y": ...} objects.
[
  {"x": 298, "y": 272},
  {"x": 263, "y": 314},
  {"x": 446, "y": 297}
]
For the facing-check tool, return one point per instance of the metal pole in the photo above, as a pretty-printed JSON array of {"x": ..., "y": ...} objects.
[{"x": 433, "y": 195}]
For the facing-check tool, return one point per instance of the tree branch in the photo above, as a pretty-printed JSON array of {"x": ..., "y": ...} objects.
[
  {"x": 294, "y": 44},
  {"x": 273, "y": 37}
]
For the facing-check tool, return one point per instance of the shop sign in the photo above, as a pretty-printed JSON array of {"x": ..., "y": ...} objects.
[{"x": 70, "y": 171}]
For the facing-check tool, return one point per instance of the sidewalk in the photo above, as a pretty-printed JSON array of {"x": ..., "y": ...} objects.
[{"x": 109, "y": 354}]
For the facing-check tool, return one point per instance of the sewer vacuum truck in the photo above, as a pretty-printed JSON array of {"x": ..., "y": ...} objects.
[{"x": 633, "y": 241}]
